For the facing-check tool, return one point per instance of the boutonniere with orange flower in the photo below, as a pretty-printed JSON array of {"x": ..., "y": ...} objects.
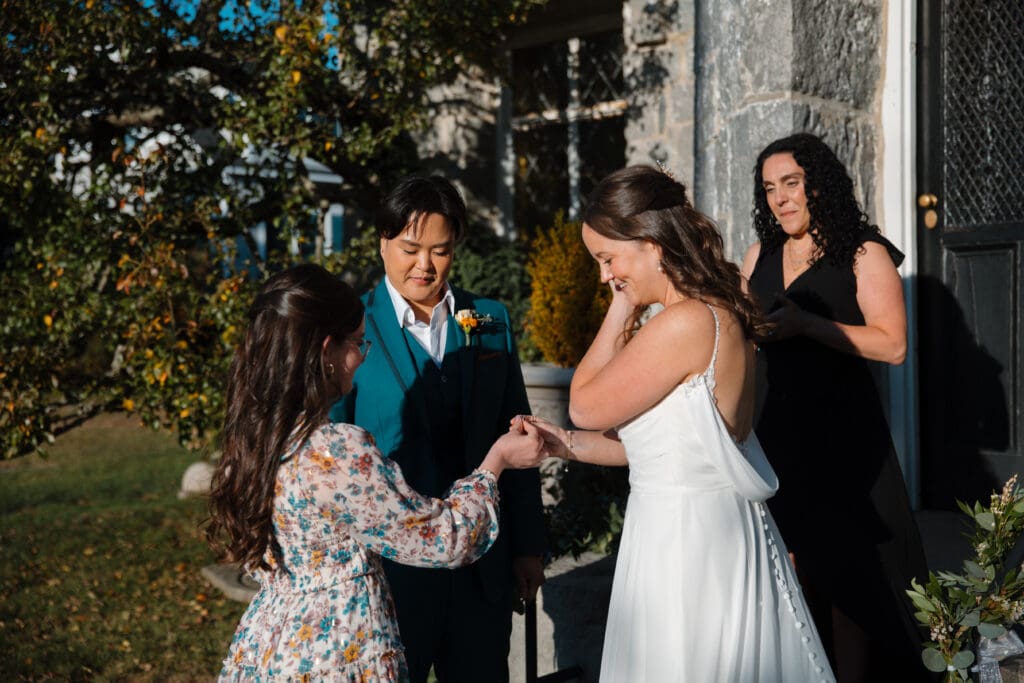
[{"x": 470, "y": 321}]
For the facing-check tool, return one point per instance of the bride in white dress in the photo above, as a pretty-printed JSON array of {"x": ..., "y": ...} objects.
[{"x": 703, "y": 590}]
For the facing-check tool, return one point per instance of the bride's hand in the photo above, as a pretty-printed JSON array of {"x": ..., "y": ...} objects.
[
  {"x": 619, "y": 308},
  {"x": 554, "y": 437}
]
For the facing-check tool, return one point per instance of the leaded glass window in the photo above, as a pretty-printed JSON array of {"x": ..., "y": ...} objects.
[
  {"x": 568, "y": 105},
  {"x": 983, "y": 105}
]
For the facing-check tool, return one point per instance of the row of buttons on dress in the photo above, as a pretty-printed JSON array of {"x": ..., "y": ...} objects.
[{"x": 787, "y": 593}]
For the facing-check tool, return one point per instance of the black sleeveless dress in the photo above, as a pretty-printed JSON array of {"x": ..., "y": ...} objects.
[{"x": 842, "y": 505}]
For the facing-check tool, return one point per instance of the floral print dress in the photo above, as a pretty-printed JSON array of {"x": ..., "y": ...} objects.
[{"x": 325, "y": 612}]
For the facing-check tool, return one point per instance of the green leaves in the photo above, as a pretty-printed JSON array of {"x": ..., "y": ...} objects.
[
  {"x": 919, "y": 599},
  {"x": 986, "y": 520},
  {"x": 933, "y": 660},
  {"x": 139, "y": 144},
  {"x": 956, "y": 606},
  {"x": 989, "y": 630}
]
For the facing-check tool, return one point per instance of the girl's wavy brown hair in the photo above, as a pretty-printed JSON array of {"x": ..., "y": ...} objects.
[
  {"x": 643, "y": 203},
  {"x": 278, "y": 393}
]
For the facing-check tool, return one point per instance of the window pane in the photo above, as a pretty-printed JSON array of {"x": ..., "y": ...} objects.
[
  {"x": 542, "y": 178},
  {"x": 539, "y": 80},
  {"x": 602, "y": 150},
  {"x": 600, "y": 78}
]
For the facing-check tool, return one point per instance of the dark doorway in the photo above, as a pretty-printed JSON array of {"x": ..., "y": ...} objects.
[{"x": 971, "y": 246}]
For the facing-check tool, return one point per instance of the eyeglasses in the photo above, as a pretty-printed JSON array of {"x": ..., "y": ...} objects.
[{"x": 363, "y": 343}]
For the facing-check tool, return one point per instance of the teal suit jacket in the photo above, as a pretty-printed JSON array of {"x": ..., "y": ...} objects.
[{"x": 389, "y": 401}]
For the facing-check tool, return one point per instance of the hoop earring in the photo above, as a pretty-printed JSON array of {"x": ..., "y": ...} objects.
[{"x": 330, "y": 369}]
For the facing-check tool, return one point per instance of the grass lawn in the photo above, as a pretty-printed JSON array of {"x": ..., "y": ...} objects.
[{"x": 99, "y": 563}]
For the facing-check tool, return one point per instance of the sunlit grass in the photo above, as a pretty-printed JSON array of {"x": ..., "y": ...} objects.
[{"x": 99, "y": 563}]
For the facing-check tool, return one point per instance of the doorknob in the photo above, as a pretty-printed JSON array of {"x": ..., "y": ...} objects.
[{"x": 929, "y": 201}]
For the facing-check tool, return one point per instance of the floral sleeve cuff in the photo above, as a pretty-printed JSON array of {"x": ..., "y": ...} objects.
[{"x": 488, "y": 479}]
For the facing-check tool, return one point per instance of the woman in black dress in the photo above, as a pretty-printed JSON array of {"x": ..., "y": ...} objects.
[{"x": 827, "y": 280}]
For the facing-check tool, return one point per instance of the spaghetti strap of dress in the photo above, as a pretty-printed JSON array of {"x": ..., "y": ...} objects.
[{"x": 709, "y": 373}]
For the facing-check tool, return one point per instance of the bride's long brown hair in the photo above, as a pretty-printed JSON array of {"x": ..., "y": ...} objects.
[
  {"x": 278, "y": 393},
  {"x": 643, "y": 203}
]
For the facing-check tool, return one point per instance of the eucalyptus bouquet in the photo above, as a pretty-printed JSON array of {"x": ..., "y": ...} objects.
[{"x": 983, "y": 600}]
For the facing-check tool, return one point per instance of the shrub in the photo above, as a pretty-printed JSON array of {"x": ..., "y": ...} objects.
[
  {"x": 590, "y": 510},
  {"x": 491, "y": 266},
  {"x": 567, "y": 305},
  {"x": 568, "y": 301}
]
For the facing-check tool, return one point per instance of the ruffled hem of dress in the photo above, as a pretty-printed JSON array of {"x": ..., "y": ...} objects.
[{"x": 387, "y": 668}]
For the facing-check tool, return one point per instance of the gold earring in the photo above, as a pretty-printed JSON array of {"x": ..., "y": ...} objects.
[{"x": 330, "y": 369}]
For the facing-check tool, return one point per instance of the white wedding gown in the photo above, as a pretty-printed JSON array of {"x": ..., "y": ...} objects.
[{"x": 704, "y": 591}]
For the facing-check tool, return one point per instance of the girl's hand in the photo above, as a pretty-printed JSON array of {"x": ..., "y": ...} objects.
[{"x": 520, "y": 448}]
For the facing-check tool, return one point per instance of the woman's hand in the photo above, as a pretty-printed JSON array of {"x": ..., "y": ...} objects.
[
  {"x": 882, "y": 337},
  {"x": 788, "y": 320},
  {"x": 619, "y": 309},
  {"x": 555, "y": 439}
]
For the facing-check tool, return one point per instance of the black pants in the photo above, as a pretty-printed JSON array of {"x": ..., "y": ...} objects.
[{"x": 446, "y": 622}]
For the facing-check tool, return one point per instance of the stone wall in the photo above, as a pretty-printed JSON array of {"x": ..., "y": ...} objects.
[
  {"x": 767, "y": 68},
  {"x": 659, "y": 69},
  {"x": 711, "y": 83}
]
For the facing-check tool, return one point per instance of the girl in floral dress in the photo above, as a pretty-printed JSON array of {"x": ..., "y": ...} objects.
[{"x": 310, "y": 507}]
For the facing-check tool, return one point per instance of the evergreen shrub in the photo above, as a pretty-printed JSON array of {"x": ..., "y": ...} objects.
[{"x": 494, "y": 267}]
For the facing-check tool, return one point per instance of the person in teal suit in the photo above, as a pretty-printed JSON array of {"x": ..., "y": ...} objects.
[{"x": 436, "y": 395}]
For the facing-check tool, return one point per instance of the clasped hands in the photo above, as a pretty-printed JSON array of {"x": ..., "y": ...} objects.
[
  {"x": 529, "y": 441},
  {"x": 554, "y": 439}
]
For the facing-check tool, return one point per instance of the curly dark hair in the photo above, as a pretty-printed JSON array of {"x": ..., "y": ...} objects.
[
  {"x": 838, "y": 223},
  {"x": 643, "y": 203},
  {"x": 278, "y": 393}
]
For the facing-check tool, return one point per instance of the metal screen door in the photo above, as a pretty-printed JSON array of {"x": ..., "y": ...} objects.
[{"x": 971, "y": 246}]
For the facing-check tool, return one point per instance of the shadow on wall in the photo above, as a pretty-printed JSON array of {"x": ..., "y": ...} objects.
[{"x": 964, "y": 416}]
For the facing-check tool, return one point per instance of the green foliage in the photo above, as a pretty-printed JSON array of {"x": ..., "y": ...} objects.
[
  {"x": 590, "y": 509},
  {"x": 985, "y": 598},
  {"x": 99, "y": 577},
  {"x": 496, "y": 268},
  {"x": 568, "y": 301},
  {"x": 139, "y": 142}
]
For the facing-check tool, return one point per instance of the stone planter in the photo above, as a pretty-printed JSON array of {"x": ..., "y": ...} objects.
[{"x": 547, "y": 388}]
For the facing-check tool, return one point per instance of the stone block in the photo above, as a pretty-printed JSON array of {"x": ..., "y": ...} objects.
[
  {"x": 836, "y": 50},
  {"x": 231, "y": 580},
  {"x": 196, "y": 480}
]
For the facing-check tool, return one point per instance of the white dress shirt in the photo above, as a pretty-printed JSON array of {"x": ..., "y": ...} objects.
[{"x": 431, "y": 337}]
